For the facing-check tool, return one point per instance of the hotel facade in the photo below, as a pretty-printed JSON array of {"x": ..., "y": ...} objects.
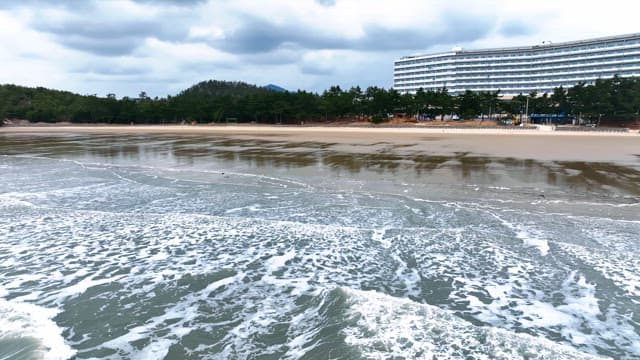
[{"x": 520, "y": 70}]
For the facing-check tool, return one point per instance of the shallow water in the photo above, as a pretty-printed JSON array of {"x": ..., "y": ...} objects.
[{"x": 204, "y": 247}]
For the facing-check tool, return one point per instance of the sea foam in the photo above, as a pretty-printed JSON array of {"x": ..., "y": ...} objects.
[{"x": 22, "y": 322}]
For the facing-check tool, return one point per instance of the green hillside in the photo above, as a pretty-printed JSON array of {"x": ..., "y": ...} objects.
[{"x": 613, "y": 101}]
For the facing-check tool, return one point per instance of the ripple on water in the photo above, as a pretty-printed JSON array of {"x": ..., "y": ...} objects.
[{"x": 274, "y": 267}]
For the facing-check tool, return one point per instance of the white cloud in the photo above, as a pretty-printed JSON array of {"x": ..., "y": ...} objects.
[
  {"x": 30, "y": 58},
  {"x": 321, "y": 62},
  {"x": 125, "y": 46},
  {"x": 206, "y": 33}
]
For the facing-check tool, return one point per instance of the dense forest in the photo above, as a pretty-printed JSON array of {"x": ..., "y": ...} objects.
[{"x": 615, "y": 100}]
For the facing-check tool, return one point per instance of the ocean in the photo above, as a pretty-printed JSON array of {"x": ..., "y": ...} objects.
[{"x": 210, "y": 247}]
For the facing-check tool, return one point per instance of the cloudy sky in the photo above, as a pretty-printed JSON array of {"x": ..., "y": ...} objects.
[{"x": 163, "y": 46}]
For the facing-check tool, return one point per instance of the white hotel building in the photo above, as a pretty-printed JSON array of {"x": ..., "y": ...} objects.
[{"x": 517, "y": 70}]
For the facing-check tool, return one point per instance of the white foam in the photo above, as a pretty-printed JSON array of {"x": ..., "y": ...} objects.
[
  {"x": 80, "y": 287},
  {"x": 277, "y": 262},
  {"x": 17, "y": 281},
  {"x": 79, "y": 250},
  {"x": 389, "y": 326},
  {"x": 541, "y": 244},
  {"x": 24, "y": 320},
  {"x": 298, "y": 344},
  {"x": 11, "y": 200},
  {"x": 323, "y": 248},
  {"x": 621, "y": 268},
  {"x": 586, "y": 203},
  {"x": 157, "y": 349},
  {"x": 526, "y": 235},
  {"x": 159, "y": 256},
  {"x": 186, "y": 310},
  {"x": 578, "y": 318},
  {"x": 378, "y": 235},
  {"x": 409, "y": 277},
  {"x": 499, "y": 188}
]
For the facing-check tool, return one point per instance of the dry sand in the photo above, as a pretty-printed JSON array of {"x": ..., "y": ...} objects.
[{"x": 621, "y": 148}]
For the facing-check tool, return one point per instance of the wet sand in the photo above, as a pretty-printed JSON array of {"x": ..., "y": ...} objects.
[{"x": 620, "y": 148}]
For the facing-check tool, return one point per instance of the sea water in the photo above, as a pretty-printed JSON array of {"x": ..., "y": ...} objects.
[{"x": 196, "y": 247}]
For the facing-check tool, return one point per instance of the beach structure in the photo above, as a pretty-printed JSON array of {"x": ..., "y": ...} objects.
[{"x": 520, "y": 70}]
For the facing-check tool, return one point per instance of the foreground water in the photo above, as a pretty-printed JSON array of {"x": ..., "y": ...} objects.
[{"x": 195, "y": 247}]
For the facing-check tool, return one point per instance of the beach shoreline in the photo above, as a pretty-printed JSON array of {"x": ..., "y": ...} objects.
[
  {"x": 614, "y": 147},
  {"x": 223, "y": 128}
]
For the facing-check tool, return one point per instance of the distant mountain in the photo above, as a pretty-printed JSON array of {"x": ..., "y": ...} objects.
[
  {"x": 276, "y": 88},
  {"x": 223, "y": 88},
  {"x": 228, "y": 88}
]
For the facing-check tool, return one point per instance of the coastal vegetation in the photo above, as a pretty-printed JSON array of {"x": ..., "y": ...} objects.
[{"x": 615, "y": 100}]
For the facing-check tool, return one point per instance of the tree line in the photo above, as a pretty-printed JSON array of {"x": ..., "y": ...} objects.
[{"x": 614, "y": 100}]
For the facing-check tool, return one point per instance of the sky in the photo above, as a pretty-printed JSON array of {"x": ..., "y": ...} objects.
[{"x": 164, "y": 46}]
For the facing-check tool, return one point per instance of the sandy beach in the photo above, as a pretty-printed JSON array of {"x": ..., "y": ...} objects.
[{"x": 621, "y": 148}]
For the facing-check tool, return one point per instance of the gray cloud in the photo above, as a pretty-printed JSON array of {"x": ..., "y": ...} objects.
[
  {"x": 111, "y": 69},
  {"x": 326, "y": 2},
  {"x": 113, "y": 37},
  {"x": 256, "y": 36},
  {"x": 79, "y": 4},
  {"x": 97, "y": 29},
  {"x": 259, "y": 48},
  {"x": 316, "y": 69},
  {"x": 206, "y": 67},
  {"x": 75, "y": 6},
  {"x": 279, "y": 56},
  {"x": 89, "y": 31},
  {"x": 259, "y": 36},
  {"x": 102, "y": 46},
  {"x": 172, "y": 2},
  {"x": 383, "y": 39},
  {"x": 515, "y": 28}
]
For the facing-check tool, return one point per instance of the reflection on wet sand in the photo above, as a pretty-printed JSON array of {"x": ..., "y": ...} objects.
[{"x": 375, "y": 159}]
